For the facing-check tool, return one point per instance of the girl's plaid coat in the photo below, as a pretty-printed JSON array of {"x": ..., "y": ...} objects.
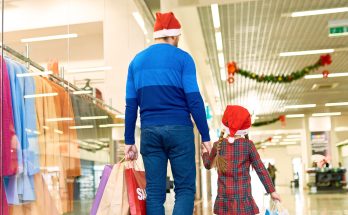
[{"x": 234, "y": 188}]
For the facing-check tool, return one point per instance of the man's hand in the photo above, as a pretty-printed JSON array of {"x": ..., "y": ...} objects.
[
  {"x": 131, "y": 152},
  {"x": 275, "y": 197},
  {"x": 206, "y": 147}
]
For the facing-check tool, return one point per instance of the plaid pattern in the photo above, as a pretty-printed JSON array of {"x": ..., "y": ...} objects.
[{"x": 234, "y": 189}]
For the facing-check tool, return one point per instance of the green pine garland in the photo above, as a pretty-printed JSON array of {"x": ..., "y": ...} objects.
[
  {"x": 280, "y": 78},
  {"x": 232, "y": 69},
  {"x": 258, "y": 124}
]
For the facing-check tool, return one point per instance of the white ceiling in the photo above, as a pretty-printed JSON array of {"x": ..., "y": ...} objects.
[{"x": 255, "y": 32}]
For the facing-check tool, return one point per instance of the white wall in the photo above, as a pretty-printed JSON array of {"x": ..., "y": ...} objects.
[{"x": 283, "y": 161}]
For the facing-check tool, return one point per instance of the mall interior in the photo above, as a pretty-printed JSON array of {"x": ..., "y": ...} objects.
[{"x": 63, "y": 84}]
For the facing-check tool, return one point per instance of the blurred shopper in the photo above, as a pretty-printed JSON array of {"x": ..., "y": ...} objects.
[
  {"x": 162, "y": 82},
  {"x": 234, "y": 188},
  {"x": 272, "y": 172}
]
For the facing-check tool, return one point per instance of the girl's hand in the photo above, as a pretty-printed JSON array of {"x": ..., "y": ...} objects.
[{"x": 275, "y": 197}]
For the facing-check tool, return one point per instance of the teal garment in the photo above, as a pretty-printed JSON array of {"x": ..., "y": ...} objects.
[{"x": 20, "y": 188}]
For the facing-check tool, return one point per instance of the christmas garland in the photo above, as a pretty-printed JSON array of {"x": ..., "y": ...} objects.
[
  {"x": 280, "y": 118},
  {"x": 233, "y": 69}
]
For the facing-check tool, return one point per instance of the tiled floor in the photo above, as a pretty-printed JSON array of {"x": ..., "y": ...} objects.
[{"x": 295, "y": 201}]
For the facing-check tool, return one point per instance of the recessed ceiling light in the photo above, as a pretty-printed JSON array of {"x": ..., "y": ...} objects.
[
  {"x": 308, "y": 52},
  {"x": 45, "y": 38},
  {"x": 339, "y": 129},
  {"x": 111, "y": 125},
  {"x": 93, "y": 117},
  {"x": 327, "y": 114},
  {"x": 221, "y": 59},
  {"x": 218, "y": 40},
  {"x": 91, "y": 69},
  {"x": 120, "y": 116},
  {"x": 293, "y": 136},
  {"x": 288, "y": 143},
  {"x": 277, "y": 137},
  {"x": 294, "y": 115},
  {"x": 80, "y": 92},
  {"x": 319, "y": 12},
  {"x": 59, "y": 119},
  {"x": 300, "y": 106},
  {"x": 337, "y": 104},
  {"x": 291, "y": 139},
  {"x": 40, "y": 95},
  {"x": 223, "y": 74},
  {"x": 81, "y": 127},
  {"x": 331, "y": 75},
  {"x": 31, "y": 74},
  {"x": 215, "y": 14}
]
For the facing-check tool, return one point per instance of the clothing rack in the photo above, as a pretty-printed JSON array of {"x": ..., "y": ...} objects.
[{"x": 57, "y": 78}]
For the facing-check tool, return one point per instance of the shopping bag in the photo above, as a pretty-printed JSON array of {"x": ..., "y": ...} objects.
[
  {"x": 104, "y": 179},
  {"x": 276, "y": 209},
  {"x": 136, "y": 184},
  {"x": 115, "y": 198}
]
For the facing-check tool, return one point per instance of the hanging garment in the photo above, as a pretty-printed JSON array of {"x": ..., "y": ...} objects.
[
  {"x": 11, "y": 182},
  {"x": 9, "y": 141},
  {"x": 49, "y": 142},
  {"x": 84, "y": 108}
]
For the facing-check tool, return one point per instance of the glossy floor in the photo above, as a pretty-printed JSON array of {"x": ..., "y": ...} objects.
[{"x": 297, "y": 202}]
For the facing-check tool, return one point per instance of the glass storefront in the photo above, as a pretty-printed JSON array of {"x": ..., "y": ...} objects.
[{"x": 61, "y": 100}]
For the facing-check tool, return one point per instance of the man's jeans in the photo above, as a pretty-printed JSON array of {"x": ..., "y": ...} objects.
[{"x": 176, "y": 143}]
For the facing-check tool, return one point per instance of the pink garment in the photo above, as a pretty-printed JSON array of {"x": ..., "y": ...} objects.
[{"x": 9, "y": 139}]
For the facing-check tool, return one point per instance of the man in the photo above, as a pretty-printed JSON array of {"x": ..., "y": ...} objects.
[{"x": 162, "y": 82}]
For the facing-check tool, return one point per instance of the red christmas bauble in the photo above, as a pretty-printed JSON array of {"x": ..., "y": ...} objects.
[{"x": 326, "y": 74}]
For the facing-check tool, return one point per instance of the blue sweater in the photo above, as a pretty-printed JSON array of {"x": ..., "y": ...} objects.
[{"x": 162, "y": 82}]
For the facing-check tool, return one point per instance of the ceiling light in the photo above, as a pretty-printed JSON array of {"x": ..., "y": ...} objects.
[
  {"x": 287, "y": 143},
  {"x": 275, "y": 140},
  {"x": 218, "y": 40},
  {"x": 309, "y": 52},
  {"x": 327, "y": 114},
  {"x": 139, "y": 19},
  {"x": 80, "y": 92},
  {"x": 53, "y": 37},
  {"x": 216, "y": 16},
  {"x": 58, "y": 131},
  {"x": 300, "y": 106},
  {"x": 59, "y": 119},
  {"x": 120, "y": 116},
  {"x": 81, "y": 127},
  {"x": 291, "y": 139},
  {"x": 293, "y": 136},
  {"x": 221, "y": 60},
  {"x": 93, "y": 117},
  {"x": 111, "y": 125},
  {"x": 319, "y": 12},
  {"x": 31, "y": 74},
  {"x": 277, "y": 137},
  {"x": 294, "y": 115},
  {"x": 40, "y": 95},
  {"x": 91, "y": 69},
  {"x": 223, "y": 74},
  {"x": 337, "y": 104},
  {"x": 339, "y": 129},
  {"x": 331, "y": 75}
]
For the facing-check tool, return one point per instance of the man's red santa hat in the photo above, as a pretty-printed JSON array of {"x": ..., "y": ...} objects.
[
  {"x": 237, "y": 121},
  {"x": 166, "y": 25}
]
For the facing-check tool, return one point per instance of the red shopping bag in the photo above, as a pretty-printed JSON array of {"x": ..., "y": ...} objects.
[{"x": 136, "y": 184}]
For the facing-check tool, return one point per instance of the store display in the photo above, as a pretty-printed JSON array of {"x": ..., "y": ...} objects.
[
  {"x": 233, "y": 69},
  {"x": 41, "y": 151}
]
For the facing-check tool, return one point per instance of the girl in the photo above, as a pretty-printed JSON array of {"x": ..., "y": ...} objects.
[{"x": 233, "y": 157}]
